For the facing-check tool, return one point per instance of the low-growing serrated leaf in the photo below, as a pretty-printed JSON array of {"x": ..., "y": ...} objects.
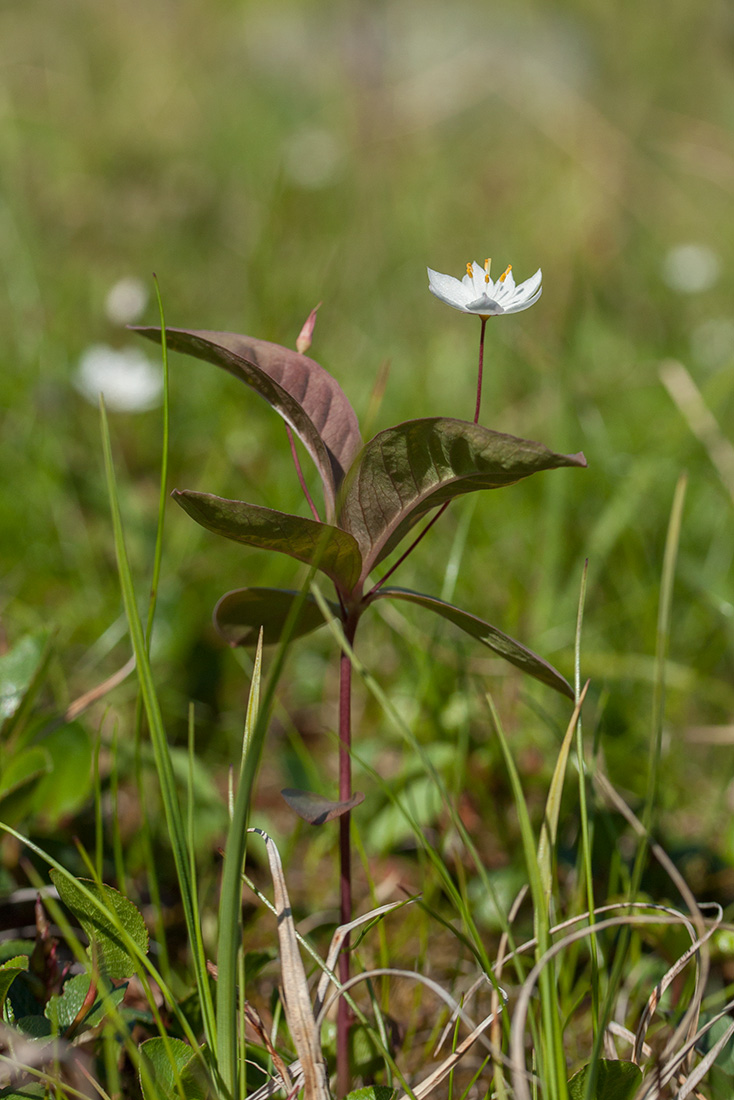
[
  {"x": 169, "y": 1061},
  {"x": 615, "y": 1080},
  {"x": 499, "y": 642},
  {"x": 21, "y": 670},
  {"x": 407, "y": 470},
  {"x": 33, "y": 1027},
  {"x": 13, "y": 949},
  {"x": 28, "y": 1092},
  {"x": 239, "y": 615},
  {"x": 9, "y": 971},
  {"x": 317, "y": 810},
  {"x": 306, "y": 396},
  {"x": 63, "y": 1008},
  {"x": 102, "y": 922},
  {"x": 332, "y": 551}
]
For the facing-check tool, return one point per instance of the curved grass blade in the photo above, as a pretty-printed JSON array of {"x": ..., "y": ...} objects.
[
  {"x": 334, "y": 552},
  {"x": 407, "y": 470},
  {"x": 305, "y": 395},
  {"x": 500, "y": 643},
  {"x": 240, "y": 614}
]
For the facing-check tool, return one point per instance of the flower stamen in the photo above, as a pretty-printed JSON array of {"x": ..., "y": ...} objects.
[
  {"x": 487, "y": 266},
  {"x": 504, "y": 274},
  {"x": 469, "y": 270}
]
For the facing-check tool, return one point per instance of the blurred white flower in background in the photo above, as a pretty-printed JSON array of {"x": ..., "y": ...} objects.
[
  {"x": 691, "y": 268},
  {"x": 312, "y": 158},
  {"x": 712, "y": 342},
  {"x": 126, "y": 301},
  {"x": 126, "y": 378}
]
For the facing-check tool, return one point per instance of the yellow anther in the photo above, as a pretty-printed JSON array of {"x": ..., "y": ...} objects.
[
  {"x": 469, "y": 270},
  {"x": 487, "y": 266},
  {"x": 504, "y": 274}
]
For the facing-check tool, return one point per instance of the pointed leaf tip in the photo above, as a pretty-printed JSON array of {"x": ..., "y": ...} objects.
[
  {"x": 317, "y": 810},
  {"x": 496, "y": 640},
  {"x": 406, "y": 471}
]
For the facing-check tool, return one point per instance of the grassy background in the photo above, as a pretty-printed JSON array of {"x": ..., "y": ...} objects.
[{"x": 263, "y": 157}]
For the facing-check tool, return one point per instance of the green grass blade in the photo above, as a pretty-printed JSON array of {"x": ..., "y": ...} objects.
[
  {"x": 230, "y": 903},
  {"x": 171, "y": 805},
  {"x": 550, "y": 1050},
  {"x": 661, "y": 652},
  {"x": 587, "y": 878}
]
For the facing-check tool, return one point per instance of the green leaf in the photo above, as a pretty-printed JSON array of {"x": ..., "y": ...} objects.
[
  {"x": 306, "y": 396},
  {"x": 21, "y": 673},
  {"x": 406, "y": 471},
  {"x": 28, "y": 1092},
  {"x": 317, "y": 810},
  {"x": 488, "y": 635},
  {"x": 9, "y": 971},
  {"x": 18, "y": 780},
  {"x": 174, "y": 1068},
  {"x": 68, "y": 781},
  {"x": 239, "y": 615},
  {"x": 332, "y": 551},
  {"x": 34, "y": 1027},
  {"x": 62, "y": 1009},
  {"x": 102, "y": 922},
  {"x": 372, "y": 1092},
  {"x": 615, "y": 1081}
]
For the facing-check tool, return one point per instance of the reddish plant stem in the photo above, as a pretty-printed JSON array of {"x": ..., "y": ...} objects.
[
  {"x": 301, "y": 478},
  {"x": 480, "y": 373},
  {"x": 344, "y": 1016},
  {"x": 442, "y": 509}
]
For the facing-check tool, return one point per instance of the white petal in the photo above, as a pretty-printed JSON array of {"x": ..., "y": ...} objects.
[
  {"x": 526, "y": 289},
  {"x": 448, "y": 289},
  {"x": 517, "y": 306},
  {"x": 484, "y": 306},
  {"x": 508, "y": 283}
]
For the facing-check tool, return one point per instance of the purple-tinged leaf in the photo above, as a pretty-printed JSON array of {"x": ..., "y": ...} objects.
[
  {"x": 239, "y": 615},
  {"x": 305, "y": 395},
  {"x": 317, "y": 810},
  {"x": 332, "y": 551},
  {"x": 500, "y": 643},
  {"x": 406, "y": 471}
]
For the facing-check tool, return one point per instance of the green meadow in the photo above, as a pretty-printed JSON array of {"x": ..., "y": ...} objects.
[{"x": 254, "y": 160}]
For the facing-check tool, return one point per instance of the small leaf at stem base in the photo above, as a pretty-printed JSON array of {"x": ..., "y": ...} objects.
[
  {"x": 317, "y": 810},
  {"x": 239, "y": 615}
]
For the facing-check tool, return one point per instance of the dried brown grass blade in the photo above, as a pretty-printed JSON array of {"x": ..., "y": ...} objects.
[{"x": 296, "y": 999}]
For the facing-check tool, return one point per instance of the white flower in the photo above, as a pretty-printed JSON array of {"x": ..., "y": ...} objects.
[
  {"x": 126, "y": 301},
  {"x": 477, "y": 294},
  {"x": 691, "y": 268},
  {"x": 128, "y": 380}
]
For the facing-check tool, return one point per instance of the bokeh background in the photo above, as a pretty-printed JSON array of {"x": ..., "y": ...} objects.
[{"x": 263, "y": 157}]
